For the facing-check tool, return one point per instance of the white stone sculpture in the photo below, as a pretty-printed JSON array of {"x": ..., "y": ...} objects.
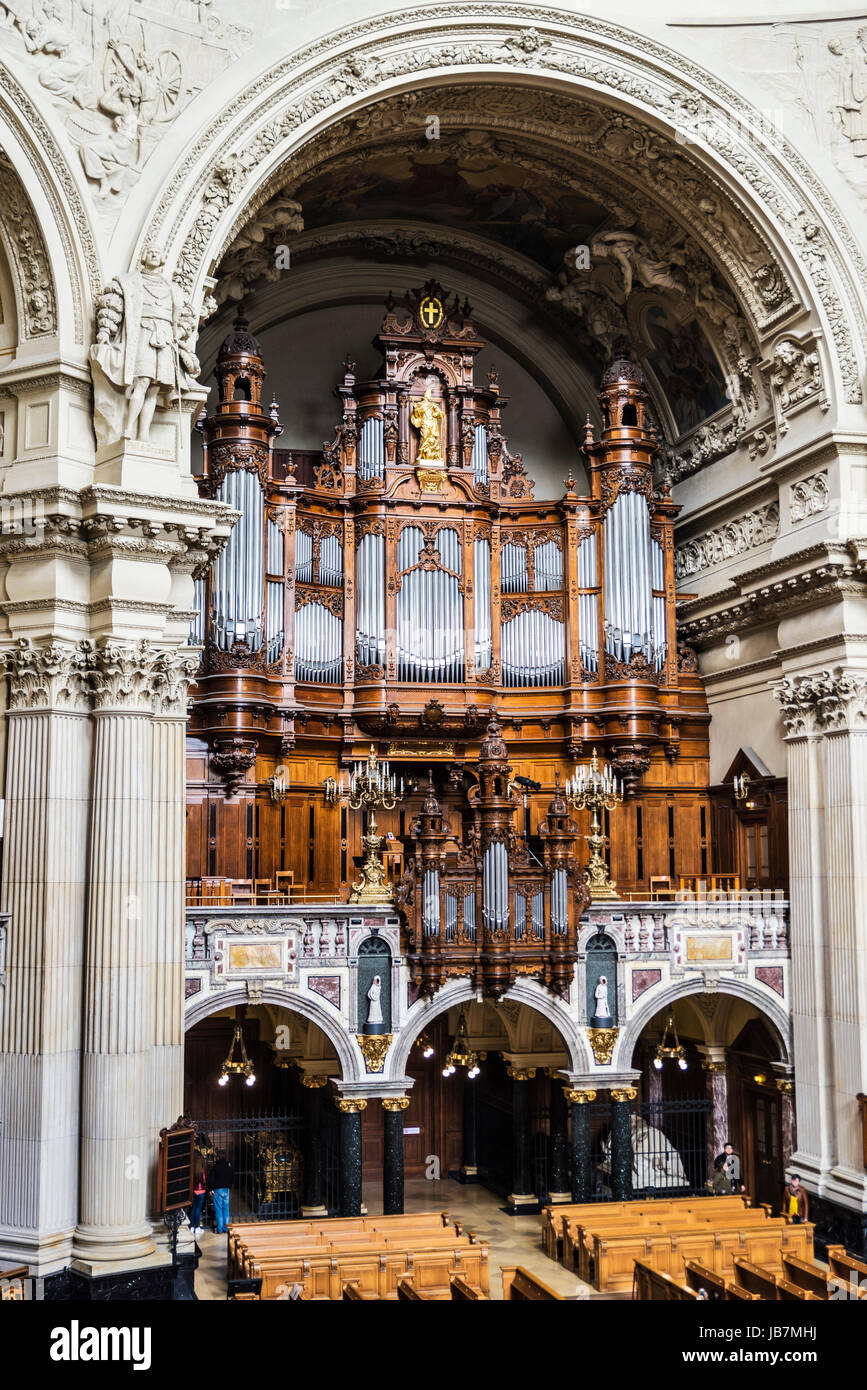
[
  {"x": 850, "y": 103},
  {"x": 637, "y": 262},
  {"x": 600, "y": 994},
  {"x": 143, "y": 353},
  {"x": 374, "y": 1012},
  {"x": 655, "y": 1162}
]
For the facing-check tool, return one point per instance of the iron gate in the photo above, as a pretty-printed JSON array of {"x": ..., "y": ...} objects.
[
  {"x": 266, "y": 1152},
  {"x": 669, "y": 1148}
]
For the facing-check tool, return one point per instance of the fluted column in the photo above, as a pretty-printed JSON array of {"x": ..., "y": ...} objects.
[
  {"x": 826, "y": 721},
  {"x": 173, "y": 673},
  {"x": 117, "y": 1108},
  {"x": 392, "y": 1166},
  {"x": 580, "y": 1137},
  {"x": 44, "y": 871},
  {"x": 621, "y": 1143},
  {"x": 350, "y": 1154}
]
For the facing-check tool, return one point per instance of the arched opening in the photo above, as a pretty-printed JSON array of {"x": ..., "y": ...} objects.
[
  {"x": 504, "y": 1127},
  {"x": 279, "y": 1132},
  {"x": 713, "y": 1069}
]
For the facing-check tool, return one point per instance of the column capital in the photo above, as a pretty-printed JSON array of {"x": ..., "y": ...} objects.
[
  {"x": 824, "y": 703},
  {"x": 521, "y": 1073},
  {"x": 395, "y": 1103},
  {"x": 313, "y": 1081},
  {"x": 715, "y": 1068},
  {"x": 578, "y": 1097},
  {"x": 624, "y": 1093},
  {"x": 785, "y": 1085},
  {"x": 348, "y": 1106},
  {"x": 54, "y": 676}
]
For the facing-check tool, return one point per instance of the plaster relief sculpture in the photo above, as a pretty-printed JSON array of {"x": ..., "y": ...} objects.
[
  {"x": 796, "y": 376},
  {"x": 656, "y": 1163},
  {"x": 143, "y": 354},
  {"x": 850, "y": 102},
  {"x": 121, "y": 74}
]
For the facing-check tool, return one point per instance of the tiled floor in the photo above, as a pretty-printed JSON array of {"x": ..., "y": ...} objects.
[{"x": 514, "y": 1240}]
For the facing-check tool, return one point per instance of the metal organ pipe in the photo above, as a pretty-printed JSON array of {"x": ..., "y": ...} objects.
[
  {"x": 303, "y": 557},
  {"x": 533, "y": 649},
  {"x": 480, "y": 455},
  {"x": 430, "y": 910},
  {"x": 370, "y": 619},
  {"x": 198, "y": 627},
  {"x": 430, "y": 629},
  {"x": 495, "y": 886},
  {"x": 514, "y": 574},
  {"x": 548, "y": 566},
  {"x": 628, "y": 584},
  {"x": 237, "y": 576},
  {"x": 660, "y": 642},
  {"x": 318, "y": 645},
  {"x": 482, "y": 603},
  {"x": 371, "y": 449},
  {"x": 331, "y": 562},
  {"x": 588, "y": 620},
  {"x": 559, "y": 902}
]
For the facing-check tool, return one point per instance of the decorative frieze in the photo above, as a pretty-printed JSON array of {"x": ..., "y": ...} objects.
[{"x": 745, "y": 533}]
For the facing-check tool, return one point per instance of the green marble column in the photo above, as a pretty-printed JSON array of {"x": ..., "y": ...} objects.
[
  {"x": 621, "y": 1144},
  {"x": 392, "y": 1164},
  {"x": 350, "y": 1155},
  {"x": 559, "y": 1170},
  {"x": 580, "y": 1136}
]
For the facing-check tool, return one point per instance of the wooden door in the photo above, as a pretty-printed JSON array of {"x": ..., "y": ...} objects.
[{"x": 763, "y": 1149}]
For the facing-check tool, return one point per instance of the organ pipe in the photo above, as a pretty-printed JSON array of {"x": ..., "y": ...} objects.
[
  {"x": 370, "y": 601},
  {"x": 480, "y": 455},
  {"x": 430, "y": 614},
  {"x": 532, "y": 649},
  {"x": 482, "y": 603},
  {"x": 628, "y": 580},
  {"x": 371, "y": 449},
  {"x": 318, "y": 645},
  {"x": 238, "y": 590}
]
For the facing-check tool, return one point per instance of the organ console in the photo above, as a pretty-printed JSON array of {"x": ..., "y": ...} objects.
[{"x": 404, "y": 586}]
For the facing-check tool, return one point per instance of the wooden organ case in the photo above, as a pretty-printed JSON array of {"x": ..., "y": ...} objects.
[{"x": 403, "y": 587}]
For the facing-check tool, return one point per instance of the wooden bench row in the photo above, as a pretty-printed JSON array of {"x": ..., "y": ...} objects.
[
  {"x": 322, "y": 1271},
  {"x": 798, "y": 1280},
  {"x": 246, "y": 1240},
  {"x": 612, "y": 1256},
  {"x": 557, "y": 1220}
]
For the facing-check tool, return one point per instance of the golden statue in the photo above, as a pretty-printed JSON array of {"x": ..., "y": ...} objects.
[{"x": 427, "y": 418}]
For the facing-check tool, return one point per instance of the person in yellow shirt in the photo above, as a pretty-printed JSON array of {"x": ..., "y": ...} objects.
[{"x": 795, "y": 1202}]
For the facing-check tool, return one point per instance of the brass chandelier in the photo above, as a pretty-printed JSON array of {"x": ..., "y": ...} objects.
[
  {"x": 242, "y": 1067},
  {"x": 460, "y": 1053},
  {"x": 675, "y": 1051}
]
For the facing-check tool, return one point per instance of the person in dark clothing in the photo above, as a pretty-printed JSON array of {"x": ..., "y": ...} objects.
[
  {"x": 731, "y": 1162},
  {"x": 219, "y": 1182},
  {"x": 796, "y": 1203}
]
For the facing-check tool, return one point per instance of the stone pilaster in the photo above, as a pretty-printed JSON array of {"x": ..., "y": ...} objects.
[
  {"x": 392, "y": 1164},
  {"x": 558, "y": 1176},
  {"x": 44, "y": 873},
  {"x": 312, "y": 1203},
  {"x": 117, "y": 1104},
  {"x": 715, "y": 1069},
  {"x": 826, "y": 722}
]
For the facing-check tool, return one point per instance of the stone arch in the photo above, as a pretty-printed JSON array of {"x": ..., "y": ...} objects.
[
  {"x": 775, "y": 1014},
  {"x": 630, "y": 74},
  {"x": 460, "y": 991},
  {"x": 348, "y": 1055},
  {"x": 46, "y": 225}
]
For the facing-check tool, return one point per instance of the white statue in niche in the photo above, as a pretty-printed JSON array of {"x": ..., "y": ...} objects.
[
  {"x": 655, "y": 1161},
  {"x": 600, "y": 994},
  {"x": 374, "y": 1011}
]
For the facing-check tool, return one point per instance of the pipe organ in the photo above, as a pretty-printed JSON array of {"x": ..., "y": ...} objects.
[{"x": 404, "y": 585}]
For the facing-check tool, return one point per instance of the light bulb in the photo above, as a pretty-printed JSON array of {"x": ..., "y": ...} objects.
[
  {"x": 222, "y": 1081},
  {"x": 428, "y": 1052},
  {"x": 657, "y": 1062},
  {"x": 682, "y": 1063},
  {"x": 446, "y": 1071},
  {"x": 251, "y": 1080}
]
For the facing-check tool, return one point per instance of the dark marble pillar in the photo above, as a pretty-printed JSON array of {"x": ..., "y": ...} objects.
[
  {"x": 621, "y": 1144},
  {"x": 312, "y": 1203},
  {"x": 522, "y": 1196},
  {"x": 392, "y": 1162},
  {"x": 469, "y": 1167},
  {"x": 786, "y": 1088},
  {"x": 558, "y": 1175},
  {"x": 350, "y": 1155},
  {"x": 580, "y": 1134}
]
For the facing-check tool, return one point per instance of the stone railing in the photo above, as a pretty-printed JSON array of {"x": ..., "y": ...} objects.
[
  {"x": 305, "y": 933},
  {"x": 761, "y": 921}
]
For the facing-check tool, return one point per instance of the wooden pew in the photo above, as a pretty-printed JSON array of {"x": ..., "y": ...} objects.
[
  {"x": 353, "y": 1294},
  {"x": 376, "y": 1268},
  {"x": 651, "y": 1284},
  {"x": 846, "y": 1268},
  {"x": 520, "y": 1284},
  {"x": 655, "y": 1216},
  {"x": 735, "y": 1292},
  {"x": 790, "y": 1293},
  {"x": 462, "y": 1292},
  {"x": 693, "y": 1238},
  {"x": 408, "y": 1293},
  {"x": 246, "y": 1240},
  {"x": 755, "y": 1280},
  {"x": 697, "y": 1276},
  {"x": 613, "y": 1254},
  {"x": 806, "y": 1275},
  {"x": 560, "y": 1223}
]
